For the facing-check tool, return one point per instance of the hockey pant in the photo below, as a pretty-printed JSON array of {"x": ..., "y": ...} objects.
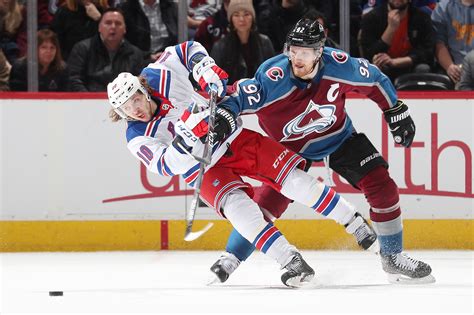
[{"x": 224, "y": 189}]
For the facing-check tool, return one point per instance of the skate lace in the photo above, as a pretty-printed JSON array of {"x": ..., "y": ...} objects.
[
  {"x": 229, "y": 262},
  {"x": 405, "y": 262},
  {"x": 295, "y": 265},
  {"x": 362, "y": 233}
]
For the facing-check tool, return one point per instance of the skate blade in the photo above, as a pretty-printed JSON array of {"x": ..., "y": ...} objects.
[
  {"x": 214, "y": 281},
  {"x": 401, "y": 279},
  {"x": 299, "y": 281}
]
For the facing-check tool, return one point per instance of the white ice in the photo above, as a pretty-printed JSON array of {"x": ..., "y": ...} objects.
[{"x": 175, "y": 282}]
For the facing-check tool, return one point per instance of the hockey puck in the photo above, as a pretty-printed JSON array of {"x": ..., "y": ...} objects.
[{"x": 56, "y": 293}]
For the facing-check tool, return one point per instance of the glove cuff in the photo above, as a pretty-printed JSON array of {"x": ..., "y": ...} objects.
[
  {"x": 203, "y": 64},
  {"x": 397, "y": 113},
  {"x": 195, "y": 59},
  {"x": 229, "y": 117}
]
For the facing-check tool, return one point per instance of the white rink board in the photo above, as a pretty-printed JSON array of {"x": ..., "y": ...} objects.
[{"x": 62, "y": 159}]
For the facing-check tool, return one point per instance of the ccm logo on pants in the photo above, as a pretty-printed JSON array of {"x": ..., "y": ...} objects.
[{"x": 280, "y": 158}]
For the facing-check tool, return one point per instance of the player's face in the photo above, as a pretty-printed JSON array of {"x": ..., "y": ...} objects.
[
  {"x": 302, "y": 60},
  {"x": 139, "y": 108}
]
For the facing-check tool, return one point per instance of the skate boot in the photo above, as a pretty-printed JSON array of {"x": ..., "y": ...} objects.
[
  {"x": 402, "y": 269},
  {"x": 363, "y": 232},
  {"x": 298, "y": 273},
  {"x": 224, "y": 266}
]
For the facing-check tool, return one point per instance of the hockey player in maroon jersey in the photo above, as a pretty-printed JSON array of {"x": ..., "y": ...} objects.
[
  {"x": 299, "y": 98},
  {"x": 164, "y": 132}
]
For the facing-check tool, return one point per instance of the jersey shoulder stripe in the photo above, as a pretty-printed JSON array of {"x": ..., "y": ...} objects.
[
  {"x": 138, "y": 128},
  {"x": 183, "y": 52},
  {"x": 152, "y": 126},
  {"x": 159, "y": 79}
]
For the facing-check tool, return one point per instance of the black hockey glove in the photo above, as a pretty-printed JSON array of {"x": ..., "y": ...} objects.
[
  {"x": 224, "y": 125},
  {"x": 400, "y": 123}
]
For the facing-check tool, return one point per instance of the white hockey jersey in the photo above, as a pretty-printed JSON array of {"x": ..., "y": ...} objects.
[{"x": 151, "y": 142}]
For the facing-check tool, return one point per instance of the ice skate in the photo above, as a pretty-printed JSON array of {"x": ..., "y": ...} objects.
[
  {"x": 224, "y": 267},
  {"x": 298, "y": 273},
  {"x": 364, "y": 233},
  {"x": 402, "y": 269}
]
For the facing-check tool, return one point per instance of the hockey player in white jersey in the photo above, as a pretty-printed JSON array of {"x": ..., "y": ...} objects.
[{"x": 166, "y": 121}]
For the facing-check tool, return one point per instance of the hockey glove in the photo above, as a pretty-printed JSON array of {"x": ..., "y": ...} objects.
[
  {"x": 195, "y": 118},
  {"x": 400, "y": 123},
  {"x": 185, "y": 135},
  {"x": 196, "y": 121},
  {"x": 206, "y": 73},
  {"x": 225, "y": 124}
]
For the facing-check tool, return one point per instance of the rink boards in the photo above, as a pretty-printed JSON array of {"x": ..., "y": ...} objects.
[{"x": 68, "y": 181}]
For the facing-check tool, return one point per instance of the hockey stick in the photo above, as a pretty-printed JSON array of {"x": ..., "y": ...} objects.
[{"x": 189, "y": 235}]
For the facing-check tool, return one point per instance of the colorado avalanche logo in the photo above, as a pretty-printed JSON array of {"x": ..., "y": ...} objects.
[
  {"x": 339, "y": 56},
  {"x": 316, "y": 118},
  {"x": 275, "y": 73}
]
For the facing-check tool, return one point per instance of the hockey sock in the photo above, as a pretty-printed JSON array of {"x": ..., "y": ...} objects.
[
  {"x": 381, "y": 193},
  {"x": 239, "y": 246},
  {"x": 247, "y": 219},
  {"x": 307, "y": 190}
]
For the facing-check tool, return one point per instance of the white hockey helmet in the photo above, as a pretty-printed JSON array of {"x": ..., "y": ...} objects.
[{"x": 121, "y": 89}]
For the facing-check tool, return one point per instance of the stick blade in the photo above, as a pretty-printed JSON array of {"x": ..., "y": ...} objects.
[{"x": 190, "y": 236}]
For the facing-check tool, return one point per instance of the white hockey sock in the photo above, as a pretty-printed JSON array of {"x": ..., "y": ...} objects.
[
  {"x": 307, "y": 190},
  {"x": 247, "y": 219}
]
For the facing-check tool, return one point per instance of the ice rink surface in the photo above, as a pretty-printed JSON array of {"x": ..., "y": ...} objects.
[{"x": 176, "y": 282}]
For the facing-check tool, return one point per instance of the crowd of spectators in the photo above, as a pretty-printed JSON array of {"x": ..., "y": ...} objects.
[{"x": 84, "y": 44}]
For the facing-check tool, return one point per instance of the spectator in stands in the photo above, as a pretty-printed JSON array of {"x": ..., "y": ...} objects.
[
  {"x": 213, "y": 28},
  {"x": 314, "y": 14},
  {"x": 279, "y": 18},
  {"x": 10, "y": 21},
  {"x": 52, "y": 72},
  {"x": 466, "y": 83},
  {"x": 398, "y": 38},
  {"x": 425, "y": 5},
  {"x": 242, "y": 51},
  {"x": 152, "y": 25},
  {"x": 44, "y": 21},
  {"x": 331, "y": 11},
  {"x": 96, "y": 61},
  {"x": 4, "y": 72},
  {"x": 198, "y": 11},
  {"x": 76, "y": 20},
  {"x": 453, "y": 25}
]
